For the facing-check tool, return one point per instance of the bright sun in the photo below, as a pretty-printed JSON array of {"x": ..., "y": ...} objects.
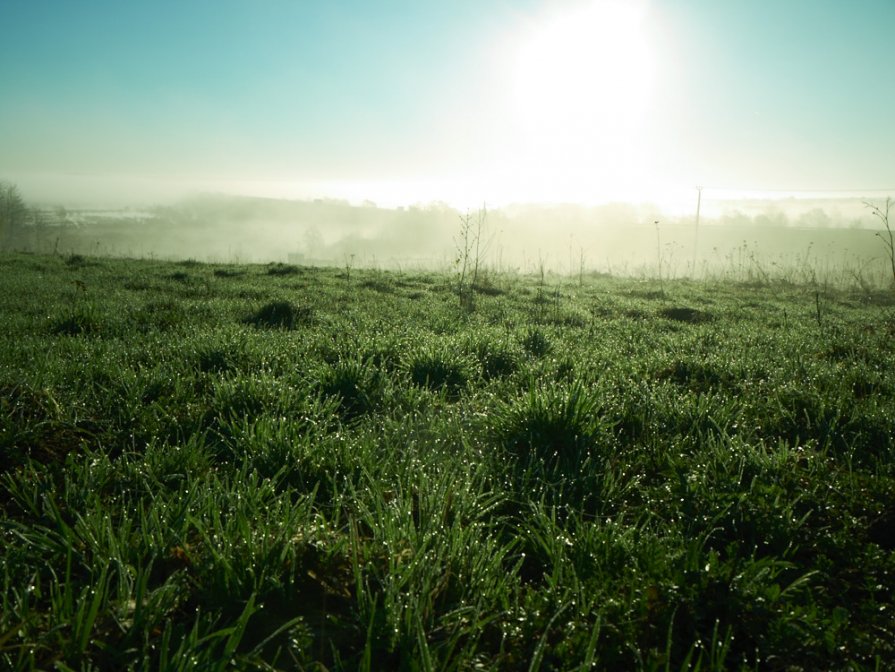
[{"x": 580, "y": 91}]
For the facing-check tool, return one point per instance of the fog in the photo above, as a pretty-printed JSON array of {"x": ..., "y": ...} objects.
[{"x": 802, "y": 239}]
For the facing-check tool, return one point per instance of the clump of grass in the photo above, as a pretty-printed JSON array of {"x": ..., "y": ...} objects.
[
  {"x": 556, "y": 426},
  {"x": 82, "y": 320},
  {"x": 487, "y": 288},
  {"x": 210, "y": 359},
  {"x": 25, "y": 414},
  {"x": 224, "y": 352},
  {"x": 357, "y": 384},
  {"x": 381, "y": 285},
  {"x": 227, "y": 273},
  {"x": 498, "y": 358},
  {"x": 565, "y": 370},
  {"x": 697, "y": 376},
  {"x": 567, "y": 319},
  {"x": 440, "y": 369},
  {"x": 382, "y": 353},
  {"x": 35, "y": 424},
  {"x": 536, "y": 342},
  {"x": 280, "y": 315},
  {"x": 684, "y": 314},
  {"x": 162, "y": 315},
  {"x": 649, "y": 294},
  {"x": 21, "y": 401},
  {"x": 250, "y": 397},
  {"x": 282, "y": 269}
]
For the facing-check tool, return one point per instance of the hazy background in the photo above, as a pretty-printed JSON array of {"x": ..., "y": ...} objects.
[{"x": 578, "y": 122}]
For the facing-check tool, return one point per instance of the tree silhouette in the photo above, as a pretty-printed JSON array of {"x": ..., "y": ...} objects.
[{"x": 13, "y": 214}]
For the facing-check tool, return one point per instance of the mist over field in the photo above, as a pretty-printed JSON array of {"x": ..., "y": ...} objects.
[{"x": 799, "y": 238}]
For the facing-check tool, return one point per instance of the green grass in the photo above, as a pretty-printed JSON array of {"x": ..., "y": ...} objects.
[{"x": 268, "y": 467}]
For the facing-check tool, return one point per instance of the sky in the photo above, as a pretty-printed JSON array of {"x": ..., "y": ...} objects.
[{"x": 467, "y": 101}]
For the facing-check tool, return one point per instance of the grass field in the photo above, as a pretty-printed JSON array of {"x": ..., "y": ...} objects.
[{"x": 277, "y": 467}]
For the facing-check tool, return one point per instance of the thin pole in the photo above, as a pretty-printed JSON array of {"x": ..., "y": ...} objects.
[{"x": 696, "y": 229}]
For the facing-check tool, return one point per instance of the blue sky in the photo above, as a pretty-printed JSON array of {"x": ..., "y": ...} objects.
[{"x": 418, "y": 100}]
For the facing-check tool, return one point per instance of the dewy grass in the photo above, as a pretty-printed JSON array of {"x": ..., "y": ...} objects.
[
  {"x": 280, "y": 315},
  {"x": 357, "y": 385},
  {"x": 440, "y": 366},
  {"x": 354, "y": 478},
  {"x": 562, "y": 426}
]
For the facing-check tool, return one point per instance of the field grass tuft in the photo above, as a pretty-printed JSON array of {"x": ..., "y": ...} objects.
[{"x": 280, "y": 315}]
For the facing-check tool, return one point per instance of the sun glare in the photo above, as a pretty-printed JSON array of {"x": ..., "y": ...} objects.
[{"x": 581, "y": 84}]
